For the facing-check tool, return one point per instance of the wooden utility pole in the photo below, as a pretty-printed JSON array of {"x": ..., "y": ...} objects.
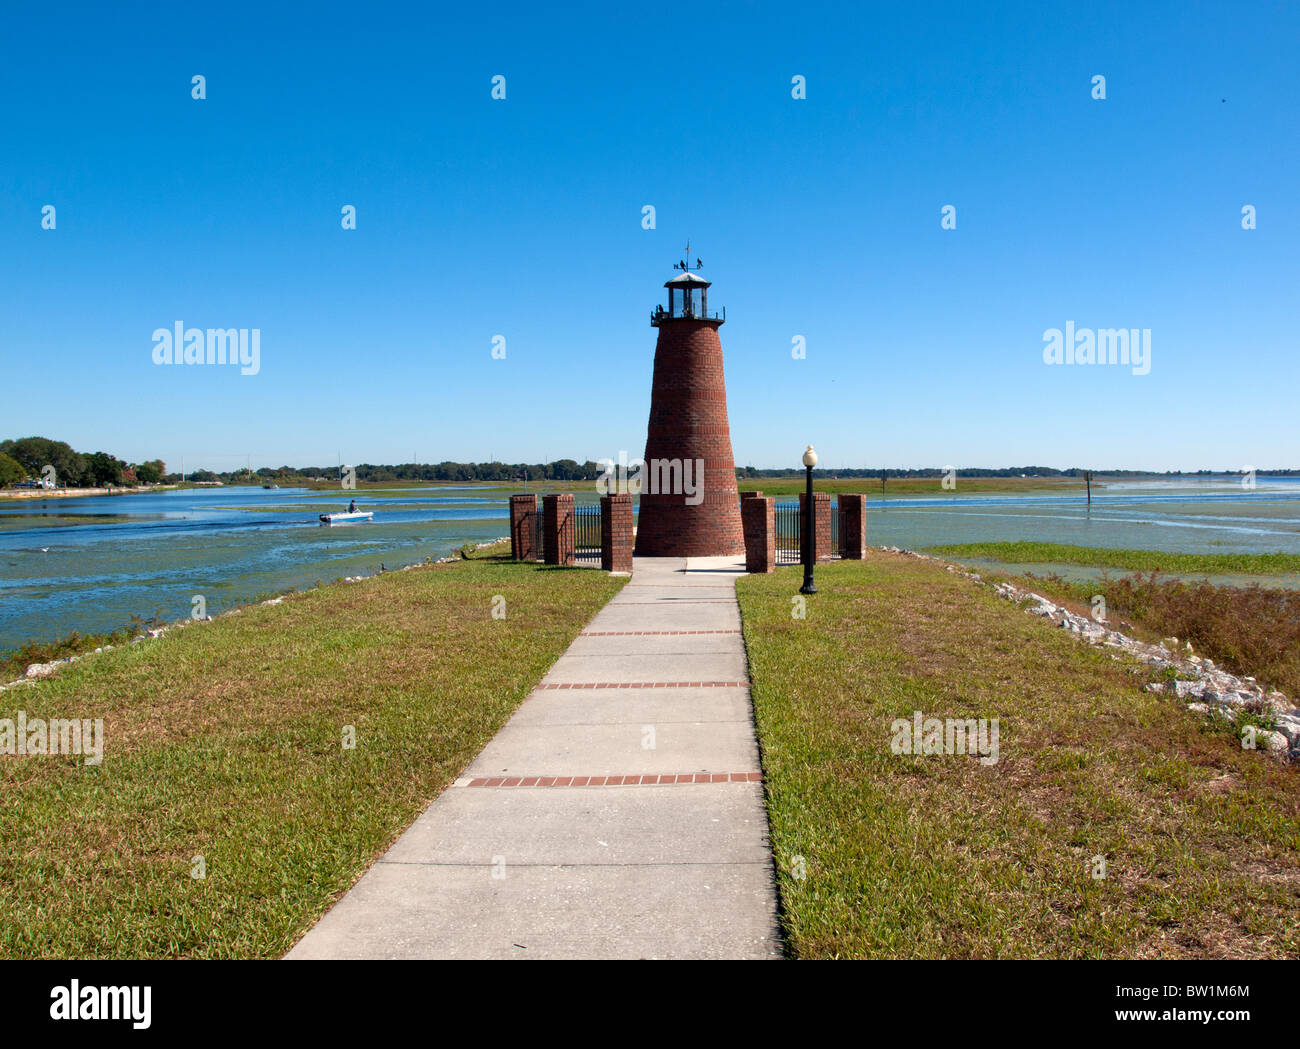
[{"x": 1087, "y": 477}]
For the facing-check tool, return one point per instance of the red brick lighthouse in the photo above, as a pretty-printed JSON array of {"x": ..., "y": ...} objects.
[{"x": 689, "y": 503}]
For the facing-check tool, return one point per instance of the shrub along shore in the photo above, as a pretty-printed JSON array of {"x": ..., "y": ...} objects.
[
  {"x": 1252, "y": 630},
  {"x": 1129, "y": 560}
]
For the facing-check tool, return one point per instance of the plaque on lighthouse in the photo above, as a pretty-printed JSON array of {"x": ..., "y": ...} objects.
[{"x": 690, "y": 506}]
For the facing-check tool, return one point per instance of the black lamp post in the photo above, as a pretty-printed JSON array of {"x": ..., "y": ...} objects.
[{"x": 809, "y": 461}]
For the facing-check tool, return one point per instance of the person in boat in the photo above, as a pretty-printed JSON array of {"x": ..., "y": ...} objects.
[{"x": 352, "y": 507}]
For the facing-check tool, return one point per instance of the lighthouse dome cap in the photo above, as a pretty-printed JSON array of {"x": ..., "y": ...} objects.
[{"x": 689, "y": 279}]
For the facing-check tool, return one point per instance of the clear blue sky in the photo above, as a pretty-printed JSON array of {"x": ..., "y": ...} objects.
[{"x": 817, "y": 217}]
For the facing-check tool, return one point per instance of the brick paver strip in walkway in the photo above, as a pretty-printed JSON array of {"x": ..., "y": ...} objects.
[
  {"x": 616, "y": 781},
  {"x": 644, "y": 684},
  {"x": 651, "y": 633},
  {"x": 654, "y": 693}
]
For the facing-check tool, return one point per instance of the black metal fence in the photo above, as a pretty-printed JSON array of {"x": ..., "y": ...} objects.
[
  {"x": 586, "y": 533},
  {"x": 531, "y": 524},
  {"x": 789, "y": 533},
  {"x": 787, "y": 516}
]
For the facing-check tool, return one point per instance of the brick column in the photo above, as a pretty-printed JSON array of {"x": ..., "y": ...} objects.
[
  {"x": 750, "y": 495},
  {"x": 523, "y": 527},
  {"x": 558, "y": 528},
  {"x": 616, "y": 533},
  {"x": 853, "y": 526},
  {"x": 821, "y": 525},
  {"x": 759, "y": 520}
]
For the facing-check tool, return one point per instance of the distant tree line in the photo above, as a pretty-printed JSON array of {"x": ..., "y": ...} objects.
[
  {"x": 572, "y": 470},
  {"x": 560, "y": 470},
  {"x": 27, "y": 457}
]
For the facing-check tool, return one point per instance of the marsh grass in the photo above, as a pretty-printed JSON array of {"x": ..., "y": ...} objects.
[
  {"x": 1250, "y": 630},
  {"x": 942, "y": 857},
  {"x": 15, "y": 661}
]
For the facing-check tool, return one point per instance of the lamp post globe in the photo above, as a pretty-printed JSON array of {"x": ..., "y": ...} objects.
[{"x": 809, "y": 461}]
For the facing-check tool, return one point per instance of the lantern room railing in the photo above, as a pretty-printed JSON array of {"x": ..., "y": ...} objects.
[{"x": 659, "y": 315}]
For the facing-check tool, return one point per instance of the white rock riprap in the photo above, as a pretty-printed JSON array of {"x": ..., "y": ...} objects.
[{"x": 1205, "y": 688}]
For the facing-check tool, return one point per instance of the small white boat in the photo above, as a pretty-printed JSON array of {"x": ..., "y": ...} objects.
[{"x": 356, "y": 515}]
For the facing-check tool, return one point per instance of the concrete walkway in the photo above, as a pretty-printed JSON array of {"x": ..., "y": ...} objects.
[{"x": 617, "y": 814}]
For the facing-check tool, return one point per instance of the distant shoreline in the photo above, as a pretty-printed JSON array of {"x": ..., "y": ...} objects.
[{"x": 77, "y": 493}]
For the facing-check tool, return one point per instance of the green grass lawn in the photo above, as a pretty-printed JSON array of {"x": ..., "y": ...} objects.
[
  {"x": 1128, "y": 560},
  {"x": 225, "y": 741},
  {"x": 943, "y": 857}
]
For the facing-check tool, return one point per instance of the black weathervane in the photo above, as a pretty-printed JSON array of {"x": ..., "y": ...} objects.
[{"x": 684, "y": 264}]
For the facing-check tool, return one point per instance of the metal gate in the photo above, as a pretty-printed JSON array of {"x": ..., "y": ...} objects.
[
  {"x": 586, "y": 534},
  {"x": 789, "y": 533},
  {"x": 530, "y": 524}
]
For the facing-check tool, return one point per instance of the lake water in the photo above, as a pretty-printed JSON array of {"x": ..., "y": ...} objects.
[
  {"x": 90, "y": 564},
  {"x": 1189, "y": 516},
  {"x": 108, "y": 558}
]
